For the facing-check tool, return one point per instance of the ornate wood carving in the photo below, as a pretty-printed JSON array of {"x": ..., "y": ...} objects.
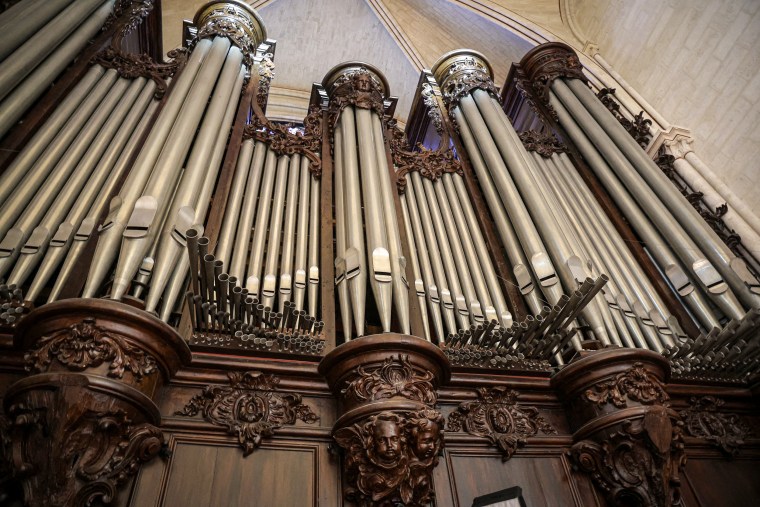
[
  {"x": 460, "y": 73},
  {"x": 636, "y": 383},
  {"x": 431, "y": 164},
  {"x": 266, "y": 74},
  {"x": 703, "y": 420},
  {"x": 496, "y": 416},
  {"x": 638, "y": 463},
  {"x": 130, "y": 65},
  {"x": 545, "y": 144},
  {"x": 638, "y": 128},
  {"x": 390, "y": 457},
  {"x": 394, "y": 377},
  {"x": 433, "y": 111},
  {"x": 359, "y": 86},
  {"x": 84, "y": 345},
  {"x": 547, "y": 62},
  {"x": 250, "y": 408},
  {"x": 236, "y": 21}
]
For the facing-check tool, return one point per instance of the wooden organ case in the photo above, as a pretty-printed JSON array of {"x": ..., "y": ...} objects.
[{"x": 203, "y": 307}]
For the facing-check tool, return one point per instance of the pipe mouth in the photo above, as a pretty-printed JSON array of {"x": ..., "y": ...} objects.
[
  {"x": 455, "y": 62},
  {"x": 233, "y": 19},
  {"x": 339, "y": 74}
]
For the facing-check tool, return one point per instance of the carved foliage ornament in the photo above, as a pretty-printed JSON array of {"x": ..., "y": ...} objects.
[
  {"x": 130, "y": 65},
  {"x": 358, "y": 88},
  {"x": 77, "y": 461},
  {"x": 284, "y": 139},
  {"x": 702, "y": 420},
  {"x": 552, "y": 65},
  {"x": 395, "y": 377},
  {"x": 231, "y": 21},
  {"x": 638, "y": 128},
  {"x": 635, "y": 384},
  {"x": 638, "y": 464},
  {"x": 434, "y": 111},
  {"x": 389, "y": 457},
  {"x": 431, "y": 164},
  {"x": 497, "y": 417},
  {"x": 266, "y": 74},
  {"x": 84, "y": 345},
  {"x": 250, "y": 408},
  {"x": 545, "y": 144},
  {"x": 463, "y": 76}
]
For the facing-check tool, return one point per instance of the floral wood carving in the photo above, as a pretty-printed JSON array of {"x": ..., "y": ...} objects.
[
  {"x": 231, "y": 21},
  {"x": 545, "y": 144},
  {"x": 250, "y": 408},
  {"x": 434, "y": 111},
  {"x": 551, "y": 65},
  {"x": 285, "y": 139},
  {"x": 266, "y": 74},
  {"x": 395, "y": 377},
  {"x": 130, "y": 65},
  {"x": 389, "y": 457},
  {"x": 431, "y": 164},
  {"x": 702, "y": 420},
  {"x": 636, "y": 384},
  {"x": 638, "y": 128},
  {"x": 84, "y": 345},
  {"x": 464, "y": 76},
  {"x": 637, "y": 464},
  {"x": 358, "y": 88},
  {"x": 82, "y": 461},
  {"x": 497, "y": 417}
]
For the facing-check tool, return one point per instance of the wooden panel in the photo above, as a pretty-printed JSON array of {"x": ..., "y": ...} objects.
[
  {"x": 214, "y": 473},
  {"x": 720, "y": 482},
  {"x": 545, "y": 479}
]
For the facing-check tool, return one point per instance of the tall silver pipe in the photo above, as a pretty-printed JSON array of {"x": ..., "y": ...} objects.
[
  {"x": 269, "y": 285},
  {"x": 314, "y": 243},
  {"x": 90, "y": 222},
  {"x": 526, "y": 231},
  {"x": 178, "y": 280},
  {"x": 340, "y": 235},
  {"x": 356, "y": 264},
  {"x": 43, "y": 139},
  {"x": 37, "y": 175},
  {"x": 183, "y": 212},
  {"x": 35, "y": 84},
  {"x": 23, "y": 19},
  {"x": 374, "y": 223},
  {"x": 143, "y": 226},
  {"x": 439, "y": 273},
  {"x": 67, "y": 198},
  {"x": 16, "y": 67},
  {"x": 398, "y": 262},
  {"x": 122, "y": 205},
  {"x": 232, "y": 211},
  {"x": 484, "y": 261},
  {"x": 289, "y": 233},
  {"x": 680, "y": 242},
  {"x": 302, "y": 232},
  {"x": 255, "y": 169},
  {"x": 51, "y": 188},
  {"x": 656, "y": 181},
  {"x": 271, "y": 167},
  {"x": 509, "y": 239},
  {"x": 419, "y": 283}
]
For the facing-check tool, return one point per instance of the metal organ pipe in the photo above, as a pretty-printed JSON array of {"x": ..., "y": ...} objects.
[
  {"x": 313, "y": 254},
  {"x": 227, "y": 234},
  {"x": 247, "y": 210},
  {"x": 22, "y": 20},
  {"x": 300, "y": 277},
  {"x": 268, "y": 288},
  {"x": 271, "y": 167},
  {"x": 340, "y": 234},
  {"x": 419, "y": 284}
]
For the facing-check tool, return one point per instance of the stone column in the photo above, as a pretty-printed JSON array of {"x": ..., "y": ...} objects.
[{"x": 81, "y": 425}]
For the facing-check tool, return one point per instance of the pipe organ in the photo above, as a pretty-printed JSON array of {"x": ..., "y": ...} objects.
[{"x": 507, "y": 292}]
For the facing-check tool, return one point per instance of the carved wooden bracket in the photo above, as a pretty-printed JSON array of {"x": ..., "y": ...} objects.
[
  {"x": 250, "y": 408},
  {"x": 626, "y": 436},
  {"x": 545, "y": 144},
  {"x": 389, "y": 431},
  {"x": 547, "y": 62},
  {"x": 496, "y": 416},
  {"x": 703, "y": 420}
]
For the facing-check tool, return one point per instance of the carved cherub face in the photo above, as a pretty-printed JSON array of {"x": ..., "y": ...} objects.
[
  {"x": 387, "y": 442},
  {"x": 363, "y": 83},
  {"x": 426, "y": 437}
]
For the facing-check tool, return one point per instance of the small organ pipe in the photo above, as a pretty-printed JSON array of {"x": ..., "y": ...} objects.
[
  {"x": 340, "y": 236},
  {"x": 255, "y": 168},
  {"x": 289, "y": 232},
  {"x": 272, "y": 166},
  {"x": 302, "y": 232},
  {"x": 314, "y": 247},
  {"x": 419, "y": 283},
  {"x": 227, "y": 233},
  {"x": 269, "y": 285}
]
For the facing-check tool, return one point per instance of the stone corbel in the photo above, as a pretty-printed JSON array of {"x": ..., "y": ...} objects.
[{"x": 678, "y": 141}]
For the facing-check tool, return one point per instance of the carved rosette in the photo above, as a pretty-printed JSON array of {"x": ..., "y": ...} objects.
[
  {"x": 389, "y": 431},
  {"x": 704, "y": 420},
  {"x": 460, "y": 72},
  {"x": 250, "y": 408},
  {"x": 236, "y": 20},
  {"x": 545, "y": 144},
  {"x": 547, "y": 62},
  {"x": 81, "y": 425},
  {"x": 496, "y": 416},
  {"x": 627, "y": 438},
  {"x": 431, "y": 164},
  {"x": 356, "y": 84}
]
